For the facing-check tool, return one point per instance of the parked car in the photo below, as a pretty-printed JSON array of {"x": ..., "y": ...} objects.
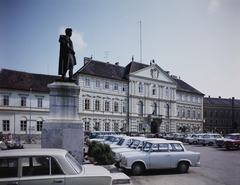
[
  {"x": 209, "y": 139},
  {"x": 113, "y": 140},
  {"x": 125, "y": 141},
  {"x": 220, "y": 141},
  {"x": 160, "y": 154},
  {"x": 193, "y": 139},
  {"x": 48, "y": 166},
  {"x": 135, "y": 145},
  {"x": 234, "y": 142},
  {"x": 178, "y": 136},
  {"x": 168, "y": 136},
  {"x": 99, "y": 138}
]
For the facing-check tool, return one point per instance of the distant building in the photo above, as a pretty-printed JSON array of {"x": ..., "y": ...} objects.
[
  {"x": 111, "y": 97},
  {"x": 24, "y": 101},
  {"x": 221, "y": 115}
]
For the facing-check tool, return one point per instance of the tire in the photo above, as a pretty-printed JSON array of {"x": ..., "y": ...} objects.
[
  {"x": 227, "y": 147},
  {"x": 138, "y": 168},
  {"x": 183, "y": 167},
  {"x": 210, "y": 144},
  {"x": 190, "y": 143}
]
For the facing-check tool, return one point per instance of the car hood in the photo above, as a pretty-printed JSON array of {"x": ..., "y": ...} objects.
[
  {"x": 118, "y": 150},
  {"x": 231, "y": 140},
  {"x": 135, "y": 153},
  {"x": 95, "y": 170}
]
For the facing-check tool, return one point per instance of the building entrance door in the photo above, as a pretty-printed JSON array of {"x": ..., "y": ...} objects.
[{"x": 153, "y": 127}]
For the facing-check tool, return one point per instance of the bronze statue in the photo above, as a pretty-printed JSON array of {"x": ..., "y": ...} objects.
[{"x": 67, "y": 57}]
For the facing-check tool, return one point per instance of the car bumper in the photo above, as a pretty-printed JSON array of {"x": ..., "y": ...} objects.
[{"x": 198, "y": 164}]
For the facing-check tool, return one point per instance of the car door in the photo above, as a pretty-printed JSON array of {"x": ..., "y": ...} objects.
[
  {"x": 9, "y": 168},
  {"x": 159, "y": 156},
  {"x": 42, "y": 170}
]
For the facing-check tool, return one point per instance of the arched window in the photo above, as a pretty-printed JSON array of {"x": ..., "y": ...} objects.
[
  {"x": 140, "y": 108},
  {"x": 154, "y": 108},
  {"x": 167, "y": 110}
]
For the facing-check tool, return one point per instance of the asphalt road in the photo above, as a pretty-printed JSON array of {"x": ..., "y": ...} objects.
[{"x": 218, "y": 166}]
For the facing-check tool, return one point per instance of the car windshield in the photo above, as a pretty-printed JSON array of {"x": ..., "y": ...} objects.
[
  {"x": 232, "y": 137},
  {"x": 120, "y": 142},
  {"x": 147, "y": 146},
  {"x": 76, "y": 166},
  {"x": 134, "y": 144}
]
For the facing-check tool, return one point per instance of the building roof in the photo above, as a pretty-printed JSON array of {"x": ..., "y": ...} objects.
[
  {"x": 220, "y": 101},
  {"x": 10, "y": 79},
  {"x": 113, "y": 71},
  {"x": 183, "y": 86}
]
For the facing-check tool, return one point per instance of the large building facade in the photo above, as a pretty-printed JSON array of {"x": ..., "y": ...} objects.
[{"x": 134, "y": 98}]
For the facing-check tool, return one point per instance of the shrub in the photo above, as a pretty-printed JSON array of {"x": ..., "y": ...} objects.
[{"x": 101, "y": 153}]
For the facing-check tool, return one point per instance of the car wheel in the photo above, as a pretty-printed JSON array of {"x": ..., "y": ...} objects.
[
  {"x": 210, "y": 144},
  {"x": 219, "y": 146},
  {"x": 183, "y": 167},
  {"x": 138, "y": 168},
  {"x": 190, "y": 143}
]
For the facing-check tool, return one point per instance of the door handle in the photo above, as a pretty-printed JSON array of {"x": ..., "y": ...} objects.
[{"x": 58, "y": 180}]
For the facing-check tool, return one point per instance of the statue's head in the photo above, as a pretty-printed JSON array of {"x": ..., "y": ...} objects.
[{"x": 68, "y": 32}]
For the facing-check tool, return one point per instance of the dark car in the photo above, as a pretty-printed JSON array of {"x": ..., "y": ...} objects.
[{"x": 233, "y": 142}]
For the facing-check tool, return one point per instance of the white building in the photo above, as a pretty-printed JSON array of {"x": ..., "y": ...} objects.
[
  {"x": 111, "y": 97},
  {"x": 135, "y": 97}
]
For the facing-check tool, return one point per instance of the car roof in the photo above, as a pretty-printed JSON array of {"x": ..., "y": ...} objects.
[
  {"x": 33, "y": 152},
  {"x": 163, "y": 141}
]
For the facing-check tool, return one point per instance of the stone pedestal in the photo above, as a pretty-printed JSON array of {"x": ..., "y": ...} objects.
[{"x": 63, "y": 129}]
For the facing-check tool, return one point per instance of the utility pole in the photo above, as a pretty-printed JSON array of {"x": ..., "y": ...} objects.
[{"x": 106, "y": 52}]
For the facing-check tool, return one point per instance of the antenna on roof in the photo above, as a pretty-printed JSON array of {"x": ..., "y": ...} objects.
[
  {"x": 140, "y": 40},
  {"x": 106, "y": 56}
]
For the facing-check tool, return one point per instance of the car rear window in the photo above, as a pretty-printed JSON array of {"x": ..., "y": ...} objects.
[
  {"x": 8, "y": 167},
  {"x": 77, "y": 167}
]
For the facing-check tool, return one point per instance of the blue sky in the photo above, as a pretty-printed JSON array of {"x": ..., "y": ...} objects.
[{"x": 198, "y": 40}]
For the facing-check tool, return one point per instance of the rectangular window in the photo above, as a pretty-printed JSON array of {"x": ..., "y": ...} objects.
[
  {"x": 183, "y": 97},
  {"x": 6, "y": 125},
  {"x": 115, "y": 107},
  {"x": 42, "y": 165},
  {"x": 107, "y": 127},
  {"x": 97, "y": 105},
  {"x": 194, "y": 113},
  {"x": 87, "y": 126},
  {"x": 87, "y": 82},
  {"x": 87, "y": 104},
  {"x": 23, "y": 125},
  {"x": 39, "y": 102},
  {"x": 140, "y": 88},
  {"x": 107, "y": 106},
  {"x": 154, "y": 90},
  {"x": 167, "y": 92},
  {"x": 106, "y": 85},
  {"x": 97, "y": 83},
  {"x": 23, "y": 101},
  {"x": 39, "y": 125},
  {"x": 124, "y": 88},
  {"x": 9, "y": 168},
  {"x": 124, "y": 107},
  {"x": 115, "y": 86},
  {"x": 116, "y": 127},
  {"x": 5, "y": 100}
]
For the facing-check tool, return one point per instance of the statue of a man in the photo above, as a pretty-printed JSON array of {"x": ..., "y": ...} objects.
[{"x": 67, "y": 55}]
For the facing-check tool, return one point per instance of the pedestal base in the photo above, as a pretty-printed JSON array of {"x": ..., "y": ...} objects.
[{"x": 68, "y": 135}]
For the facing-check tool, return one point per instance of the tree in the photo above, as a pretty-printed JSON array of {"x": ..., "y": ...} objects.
[
  {"x": 96, "y": 128},
  {"x": 144, "y": 130},
  {"x": 122, "y": 129}
]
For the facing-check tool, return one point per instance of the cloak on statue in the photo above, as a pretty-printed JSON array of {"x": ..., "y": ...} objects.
[{"x": 67, "y": 57}]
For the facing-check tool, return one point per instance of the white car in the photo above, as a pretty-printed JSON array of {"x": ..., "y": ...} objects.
[
  {"x": 160, "y": 154},
  {"x": 48, "y": 166},
  {"x": 124, "y": 142},
  {"x": 209, "y": 139},
  {"x": 114, "y": 139},
  {"x": 193, "y": 139}
]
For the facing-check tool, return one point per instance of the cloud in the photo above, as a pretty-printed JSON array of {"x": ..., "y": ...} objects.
[
  {"x": 213, "y": 6},
  {"x": 78, "y": 42}
]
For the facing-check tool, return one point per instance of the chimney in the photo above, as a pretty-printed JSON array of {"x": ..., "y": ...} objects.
[
  {"x": 117, "y": 63},
  {"x": 86, "y": 60},
  {"x": 219, "y": 97}
]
